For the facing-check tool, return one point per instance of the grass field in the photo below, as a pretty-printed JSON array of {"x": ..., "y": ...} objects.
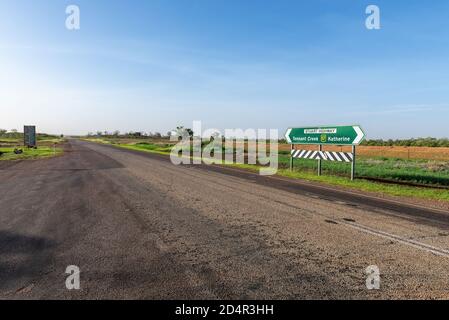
[
  {"x": 429, "y": 172},
  {"x": 364, "y": 185},
  {"x": 42, "y": 152},
  {"x": 409, "y": 153},
  {"x": 420, "y": 171},
  {"x": 47, "y": 147},
  {"x": 43, "y": 140}
]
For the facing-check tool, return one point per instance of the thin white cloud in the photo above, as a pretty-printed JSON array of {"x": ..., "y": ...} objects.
[{"x": 405, "y": 108}]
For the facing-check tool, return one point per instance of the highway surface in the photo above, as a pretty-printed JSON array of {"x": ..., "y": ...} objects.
[{"x": 139, "y": 227}]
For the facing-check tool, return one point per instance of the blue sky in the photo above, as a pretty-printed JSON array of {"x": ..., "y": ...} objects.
[{"x": 152, "y": 65}]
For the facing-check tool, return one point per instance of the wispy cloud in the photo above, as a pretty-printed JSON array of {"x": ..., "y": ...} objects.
[{"x": 404, "y": 108}]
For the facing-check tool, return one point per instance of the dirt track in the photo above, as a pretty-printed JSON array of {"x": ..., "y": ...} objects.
[{"x": 140, "y": 228}]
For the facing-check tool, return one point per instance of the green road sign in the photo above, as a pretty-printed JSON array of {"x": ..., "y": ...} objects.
[{"x": 341, "y": 135}]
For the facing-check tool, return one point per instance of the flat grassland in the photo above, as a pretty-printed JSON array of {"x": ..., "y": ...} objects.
[
  {"x": 42, "y": 152},
  {"x": 418, "y": 153},
  {"x": 421, "y": 172},
  {"x": 47, "y": 147}
]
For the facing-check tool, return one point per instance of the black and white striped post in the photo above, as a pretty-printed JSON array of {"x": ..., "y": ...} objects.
[{"x": 321, "y": 155}]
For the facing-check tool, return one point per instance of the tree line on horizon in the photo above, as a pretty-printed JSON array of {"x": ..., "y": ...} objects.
[
  {"x": 130, "y": 135},
  {"x": 15, "y": 134},
  {"x": 413, "y": 142}
]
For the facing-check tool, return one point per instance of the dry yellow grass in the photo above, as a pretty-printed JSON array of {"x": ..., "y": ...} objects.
[{"x": 424, "y": 153}]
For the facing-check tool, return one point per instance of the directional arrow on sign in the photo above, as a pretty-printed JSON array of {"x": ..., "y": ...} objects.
[
  {"x": 287, "y": 136},
  {"x": 360, "y": 135},
  {"x": 337, "y": 135}
]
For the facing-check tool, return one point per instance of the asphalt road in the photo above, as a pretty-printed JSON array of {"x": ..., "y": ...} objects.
[{"x": 139, "y": 227}]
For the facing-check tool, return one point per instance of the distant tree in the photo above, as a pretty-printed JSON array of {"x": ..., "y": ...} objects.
[
  {"x": 180, "y": 132},
  {"x": 214, "y": 136},
  {"x": 135, "y": 135},
  {"x": 14, "y": 133},
  {"x": 183, "y": 133},
  {"x": 99, "y": 133},
  {"x": 3, "y": 132}
]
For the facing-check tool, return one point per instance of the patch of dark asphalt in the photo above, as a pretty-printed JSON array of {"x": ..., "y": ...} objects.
[
  {"x": 33, "y": 252},
  {"x": 131, "y": 241}
]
